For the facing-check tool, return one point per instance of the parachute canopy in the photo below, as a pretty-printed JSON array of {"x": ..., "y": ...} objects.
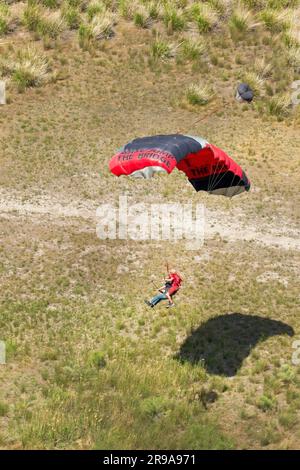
[{"x": 207, "y": 167}]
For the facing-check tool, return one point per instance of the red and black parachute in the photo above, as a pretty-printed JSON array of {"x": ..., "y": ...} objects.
[{"x": 207, "y": 167}]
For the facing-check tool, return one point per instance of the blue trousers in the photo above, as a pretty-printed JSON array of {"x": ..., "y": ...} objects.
[{"x": 157, "y": 298}]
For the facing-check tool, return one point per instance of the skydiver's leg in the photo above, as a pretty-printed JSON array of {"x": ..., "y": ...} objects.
[
  {"x": 157, "y": 298},
  {"x": 170, "y": 293},
  {"x": 169, "y": 298},
  {"x": 171, "y": 303}
]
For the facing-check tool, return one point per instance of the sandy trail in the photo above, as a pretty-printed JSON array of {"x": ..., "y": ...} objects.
[{"x": 216, "y": 223}]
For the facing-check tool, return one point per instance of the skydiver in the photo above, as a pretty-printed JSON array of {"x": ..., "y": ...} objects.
[
  {"x": 161, "y": 296},
  {"x": 168, "y": 290},
  {"x": 175, "y": 281}
]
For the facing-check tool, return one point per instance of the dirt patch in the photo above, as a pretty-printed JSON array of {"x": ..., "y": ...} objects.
[{"x": 230, "y": 227}]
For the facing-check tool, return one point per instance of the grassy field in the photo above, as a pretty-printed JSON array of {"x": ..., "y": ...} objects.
[{"x": 88, "y": 365}]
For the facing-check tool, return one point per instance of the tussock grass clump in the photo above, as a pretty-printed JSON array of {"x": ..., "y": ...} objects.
[
  {"x": 255, "y": 81},
  {"x": 266, "y": 402},
  {"x": 4, "y": 18},
  {"x": 28, "y": 68},
  {"x": 32, "y": 16},
  {"x": 53, "y": 4},
  {"x": 204, "y": 15},
  {"x": 220, "y": 6},
  {"x": 80, "y": 4},
  {"x": 97, "y": 359},
  {"x": 100, "y": 27},
  {"x": 281, "y": 4},
  {"x": 262, "y": 67},
  {"x": 155, "y": 9},
  {"x": 254, "y": 4},
  {"x": 193, "y": 48},
  {"x": 50, "y": 25},
  {"x": 241, "y": 20},
  {"x": 276, "y": 21},
  {"x": 288, "y": 419},
  {"x": 95, "y": 7},
  {"x": 199, "y": 94},
  {"x": 161, "y": 49},
  {"x": 85, "y": 36},
  {"x": 4, "y": 409},
  {"x": 142, "y": 17},
  {"x": 127, "y": 8},
  {"x": 279, "y": 105},
  {"x": 292, "y": 35},
  {"x": 3, "y": 26},
  {"x": 174, "y": 18},
  {"x": 179, "y": 3},
  {"x": 293, "y": 56},
  {"x": 43, "y": 22},
  {"x": 153, "y": 406},
  {"x": 71, "y": 15}
]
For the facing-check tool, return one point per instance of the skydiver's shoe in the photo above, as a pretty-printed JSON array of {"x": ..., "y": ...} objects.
[
  {"x": 171, "y": 305},
  {"x": 148, "y": 303}
]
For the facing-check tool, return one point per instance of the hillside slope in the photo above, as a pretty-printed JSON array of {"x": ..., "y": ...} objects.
[{"x": 88, "y": 365}]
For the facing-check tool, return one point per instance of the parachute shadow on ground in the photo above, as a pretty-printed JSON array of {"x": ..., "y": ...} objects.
[{"x": 223, "y": 342}]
